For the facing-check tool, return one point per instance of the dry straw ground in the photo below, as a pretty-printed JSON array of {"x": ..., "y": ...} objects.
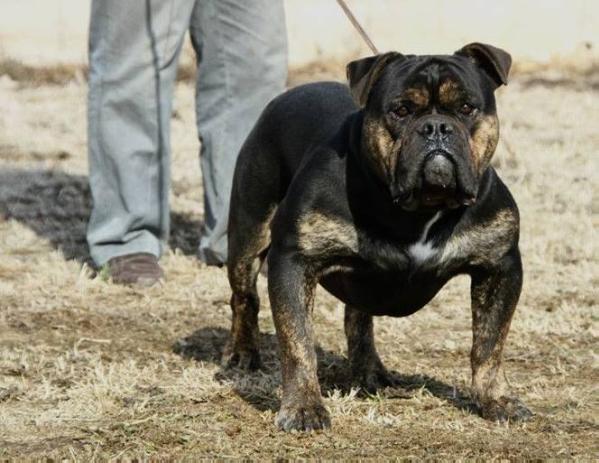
[{"x": 88, "y": 369}]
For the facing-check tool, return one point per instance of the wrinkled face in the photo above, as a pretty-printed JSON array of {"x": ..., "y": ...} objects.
[{"x": 430, "y": 129}]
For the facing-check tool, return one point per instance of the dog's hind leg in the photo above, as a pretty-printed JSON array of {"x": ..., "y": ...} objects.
[
  {"x": 247, "y": 249},
  {"x": 367, "y": 370},
  {"x": 253, "y": 203}
]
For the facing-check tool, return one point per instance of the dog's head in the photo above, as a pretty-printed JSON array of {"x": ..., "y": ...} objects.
[{"x": 430, "y": 126}]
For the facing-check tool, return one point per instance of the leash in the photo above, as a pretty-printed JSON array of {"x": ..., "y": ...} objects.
[{"x": 357, "y": 25}]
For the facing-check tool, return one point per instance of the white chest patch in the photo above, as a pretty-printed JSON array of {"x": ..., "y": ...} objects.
[{"x": 421, "y": 250}]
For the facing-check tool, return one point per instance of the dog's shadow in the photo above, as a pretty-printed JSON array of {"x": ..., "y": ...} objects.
[{"x": 259, "y": 388}]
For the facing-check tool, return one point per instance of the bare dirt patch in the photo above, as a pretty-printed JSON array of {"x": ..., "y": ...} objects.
[{"x": 88, "y": 369}]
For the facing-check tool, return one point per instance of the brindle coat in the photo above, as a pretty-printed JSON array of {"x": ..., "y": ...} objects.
[{"x": 329, "y": 185}]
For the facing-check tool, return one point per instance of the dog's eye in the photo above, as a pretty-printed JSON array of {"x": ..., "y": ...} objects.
[
  {"x": 401, "y": 112},
  {"x": 467, "y": 109}
]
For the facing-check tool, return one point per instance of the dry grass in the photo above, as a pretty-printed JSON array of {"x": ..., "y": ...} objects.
[
  {"x": 88, "y": 369},
  {"x": 559, "y": 71},
  {"x": 34, "y": 76}
]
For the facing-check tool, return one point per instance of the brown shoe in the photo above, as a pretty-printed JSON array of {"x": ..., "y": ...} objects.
[{"x": 139, "y": 269}]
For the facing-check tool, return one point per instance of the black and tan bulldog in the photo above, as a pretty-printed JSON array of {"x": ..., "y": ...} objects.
[{"x": 380, "y": 192}]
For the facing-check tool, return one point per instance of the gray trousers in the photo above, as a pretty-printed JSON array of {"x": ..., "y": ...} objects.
[{"x": 241, "y": 47}]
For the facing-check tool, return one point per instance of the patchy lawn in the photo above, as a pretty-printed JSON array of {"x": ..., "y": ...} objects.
[{"x": 88, "y": 369}]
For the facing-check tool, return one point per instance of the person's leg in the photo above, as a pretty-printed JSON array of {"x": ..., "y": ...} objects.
[
  {"x": 242, "y": 55},
  {"x": 133, "y": 51}
]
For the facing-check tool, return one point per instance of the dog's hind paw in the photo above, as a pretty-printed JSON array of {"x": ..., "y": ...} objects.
[
  {"x": 372, "y": 380},
  {"x": 505, "y": 409},
  {"x": 246, "y": 360},
  {"x": 303, "y": 418},
  {"x": 370, "y": 375}
]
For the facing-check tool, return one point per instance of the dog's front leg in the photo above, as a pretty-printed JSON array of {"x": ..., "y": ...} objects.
[
  {"x": 495, "y": 293},
  {"x": 291, "y": 289}
]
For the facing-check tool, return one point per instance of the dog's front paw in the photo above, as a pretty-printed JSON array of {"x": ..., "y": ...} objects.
[
  {"x": 505, "y": 409},
  {"x": 243, "y": 359},
  {"x": 303, "y": 418}
]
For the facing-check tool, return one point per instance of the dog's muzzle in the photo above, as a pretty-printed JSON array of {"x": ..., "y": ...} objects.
[
  {"x": 439, "y": 171},
  {"x": 438, "y": 179},
  {"x": 435, "y": 168}
]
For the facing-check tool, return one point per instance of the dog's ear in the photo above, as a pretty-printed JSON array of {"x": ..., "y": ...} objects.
[
  {"x": 363, "y": 73},
  {"x": 494, "y": 61}
]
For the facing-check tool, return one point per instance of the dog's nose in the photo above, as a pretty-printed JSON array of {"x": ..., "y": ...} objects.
[{"x": 436, "y": 128}]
